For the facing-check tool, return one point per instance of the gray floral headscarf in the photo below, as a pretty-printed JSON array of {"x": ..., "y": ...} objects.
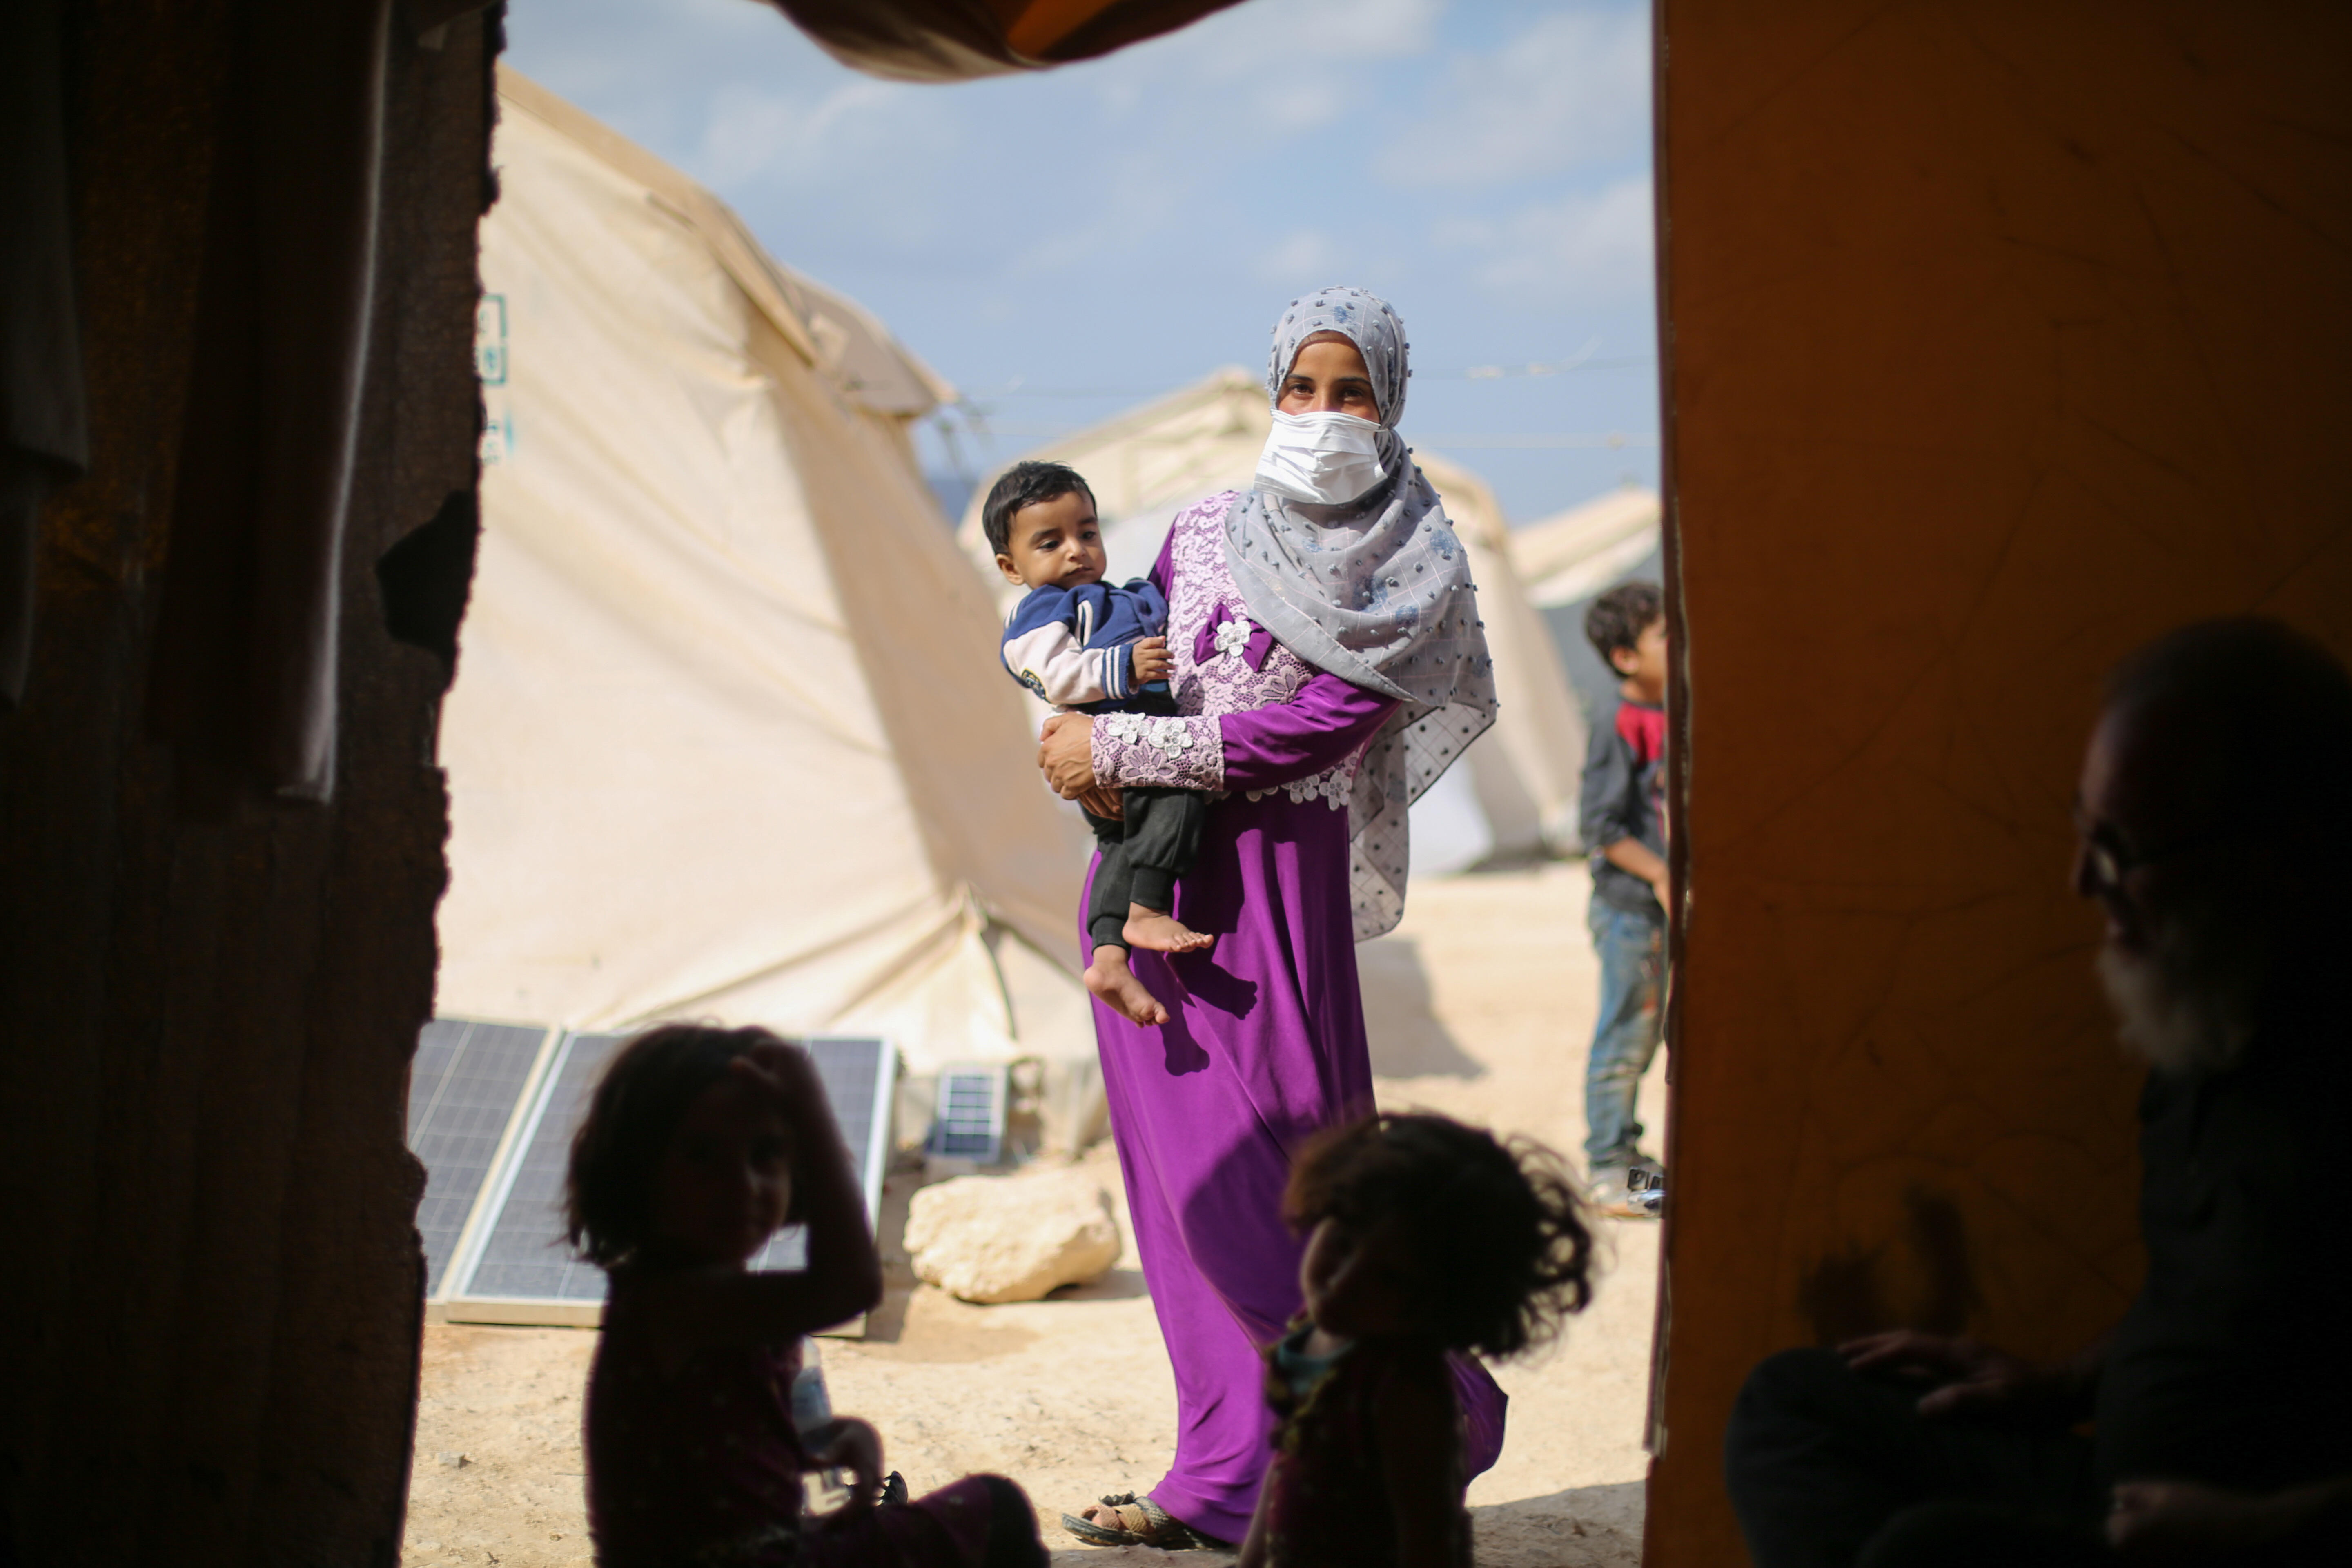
[{"x": 1377, "y": 591}]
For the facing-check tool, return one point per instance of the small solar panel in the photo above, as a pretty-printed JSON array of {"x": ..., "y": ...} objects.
[
  {"x": 463, "y": 1084},
  {"x": 522, "y": 1256},
  {"x": 969, "y": 1121}
]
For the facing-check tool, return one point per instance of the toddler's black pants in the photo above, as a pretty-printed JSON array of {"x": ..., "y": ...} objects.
[{"x": 1143, "y": 853}]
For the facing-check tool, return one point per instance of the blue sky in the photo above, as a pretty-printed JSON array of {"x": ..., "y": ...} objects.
[{"x": 1066, "y": 245}]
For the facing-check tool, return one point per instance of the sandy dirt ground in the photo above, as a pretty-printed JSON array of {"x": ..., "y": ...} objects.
[{"x": 1480, "y": 1006}]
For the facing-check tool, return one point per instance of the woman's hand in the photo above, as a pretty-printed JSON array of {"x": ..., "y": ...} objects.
[{"x": 1066, "y": 753}]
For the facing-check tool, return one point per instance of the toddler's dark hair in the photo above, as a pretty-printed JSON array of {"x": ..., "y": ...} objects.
[
  {"x": 1618, "y": 618},
  {"x": 1497, "y": 1226},
  {"x": 1026, "y": 483},
  {"x": 644, "y": 1093}
]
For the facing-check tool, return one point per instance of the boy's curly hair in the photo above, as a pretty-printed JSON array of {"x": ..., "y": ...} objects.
[
  {"x": 645, "y": 1092},
  {"x": 1026, "y": 483},
  {"x": 1498, "y": 1227},
  {"x": 1618, "y": 618}
]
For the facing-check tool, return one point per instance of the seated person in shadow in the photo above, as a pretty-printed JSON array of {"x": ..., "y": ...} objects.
[{"x": 2215, "y": 820}]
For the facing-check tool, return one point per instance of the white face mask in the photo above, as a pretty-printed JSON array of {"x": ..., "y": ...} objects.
[{"x": 1327, "y": 459}]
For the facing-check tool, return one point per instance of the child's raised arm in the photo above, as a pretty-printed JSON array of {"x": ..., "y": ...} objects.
[{"x": 844, "y": 1269}]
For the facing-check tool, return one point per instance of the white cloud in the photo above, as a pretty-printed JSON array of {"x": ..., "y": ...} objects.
[
  {"x": 1299, "y": 260},
  {"x": 1302, "y": 104},
  {"x": 1584, "y": 247},
  {"x": 1118, "y": 218},
  {"x": 851, "y": 125},
  {"x": 1273, "y": 38},
  {"x": 1272, "y": 66},
  {"x": 1573, "y": 89}
]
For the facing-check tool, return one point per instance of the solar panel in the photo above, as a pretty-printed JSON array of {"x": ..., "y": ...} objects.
[
  {"x": 522, "y": 1257},
  {"x": 858, "y": 1076},
  {"x": 522, "y": 1252},
  {"x": 463, "y": 1084},
  {"x": 859, "y": 1073},
  {"x": 970, "y": 1120}
]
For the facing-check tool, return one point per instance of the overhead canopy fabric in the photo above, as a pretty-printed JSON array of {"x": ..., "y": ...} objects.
[
  {"x": 1146, "y": 464},
  {"x": 726, "y": 737},
  {"x": 956, "y": 40}
]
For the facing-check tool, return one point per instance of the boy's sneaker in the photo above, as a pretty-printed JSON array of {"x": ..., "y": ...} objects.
[{"x": 1633, "y": 1191}]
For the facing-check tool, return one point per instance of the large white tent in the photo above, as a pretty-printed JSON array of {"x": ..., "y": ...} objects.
[
  {"x": 1572, "y": 557},
  {"x": 726, "y": 738},
  {"x": 1515, "y": 792}
]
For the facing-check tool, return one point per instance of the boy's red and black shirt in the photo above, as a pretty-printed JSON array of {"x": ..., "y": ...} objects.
[{"x": 1624, "y": 796}]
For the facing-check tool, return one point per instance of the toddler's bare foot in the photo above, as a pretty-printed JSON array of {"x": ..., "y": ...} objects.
[
  {"x": 1109, "y": 978},
  {"x": 1155, "y": 932}
]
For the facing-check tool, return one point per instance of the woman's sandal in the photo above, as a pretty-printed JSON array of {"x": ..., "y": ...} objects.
[{"x": 1127, "y": 1520}]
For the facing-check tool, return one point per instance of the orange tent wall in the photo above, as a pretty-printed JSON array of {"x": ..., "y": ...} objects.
[{"x": 1999, "y": 338}]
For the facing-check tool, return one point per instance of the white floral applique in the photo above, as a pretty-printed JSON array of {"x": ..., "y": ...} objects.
[
  {"x": 1170, "y": 737},
  {"x": 1333, "y": 787},
  {"x": 1234, "y": 635},
  {"x": 1155, "y": 750}
]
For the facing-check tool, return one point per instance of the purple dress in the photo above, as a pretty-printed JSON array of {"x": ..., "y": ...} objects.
[{"x": 1264, "y": 1044}]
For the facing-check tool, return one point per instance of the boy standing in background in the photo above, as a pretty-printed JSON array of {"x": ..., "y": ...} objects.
[{"x": 1622, "y": 817}]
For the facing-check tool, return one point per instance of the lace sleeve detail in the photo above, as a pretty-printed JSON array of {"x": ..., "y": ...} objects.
[{"x": 1132, "y": 749}]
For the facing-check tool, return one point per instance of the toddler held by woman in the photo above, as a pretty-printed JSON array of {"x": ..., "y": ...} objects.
[
  {"x": 1093, "y": 647},
  {"x": 699, "y": 1143}
]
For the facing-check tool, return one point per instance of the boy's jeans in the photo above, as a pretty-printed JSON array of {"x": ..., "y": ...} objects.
[{"x": 1633, "y": 950}]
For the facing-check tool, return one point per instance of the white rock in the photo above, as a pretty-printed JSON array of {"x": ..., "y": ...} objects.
[{"x": 1012, "y": 1238}]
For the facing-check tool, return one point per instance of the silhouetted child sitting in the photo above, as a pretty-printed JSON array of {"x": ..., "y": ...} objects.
[
  {"x": 700, "y": 1143},
  {"x": 1424, "y": 1237},
  {"x": 1081, "y": 643}
]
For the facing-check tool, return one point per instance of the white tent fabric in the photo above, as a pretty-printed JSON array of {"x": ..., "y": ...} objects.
[
  {"x": 1574, "y": 554},
  {"x": 1515, "y": 792},
  {"x": 728, "y": 737},
  {"x": 1570, "y": 557}
]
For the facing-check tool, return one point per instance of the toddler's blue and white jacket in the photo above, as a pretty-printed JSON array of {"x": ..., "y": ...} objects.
[{"x": 1071, "y": 646}]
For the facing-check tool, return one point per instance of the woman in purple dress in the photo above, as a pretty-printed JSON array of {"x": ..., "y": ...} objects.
[{"x": 1328, "y": 663}]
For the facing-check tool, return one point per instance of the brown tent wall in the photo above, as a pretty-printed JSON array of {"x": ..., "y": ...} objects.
[
  {"x": 2000, "y": 337},
  {"x": 214, "y": 1288}
]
